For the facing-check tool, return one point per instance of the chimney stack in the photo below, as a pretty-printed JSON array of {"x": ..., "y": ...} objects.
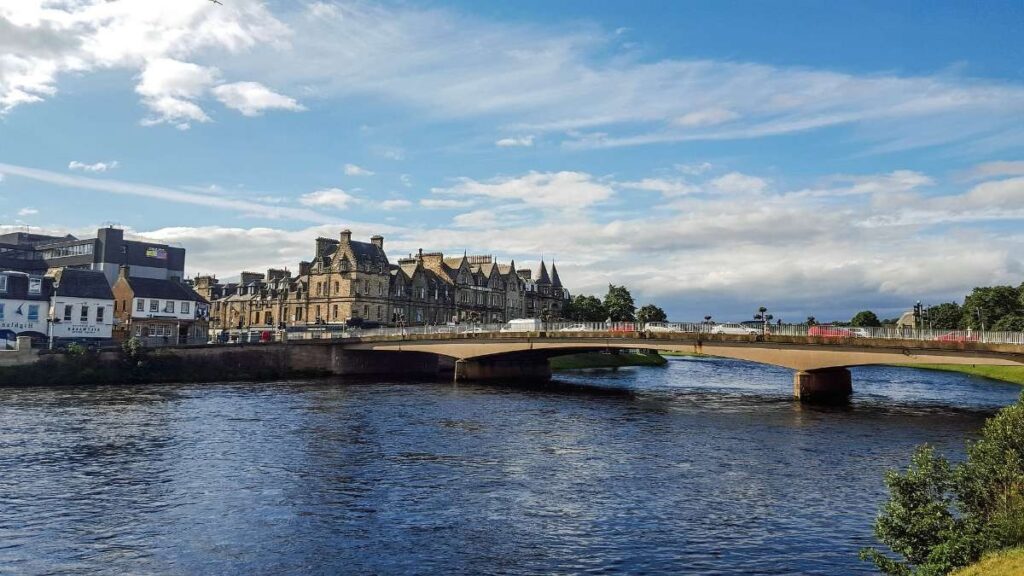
[
  {"x": 346, "y": 236},
  {"x": 377, "y": 241}
]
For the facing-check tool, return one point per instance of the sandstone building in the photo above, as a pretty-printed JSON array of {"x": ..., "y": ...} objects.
[{"x": 353, "y": 282}]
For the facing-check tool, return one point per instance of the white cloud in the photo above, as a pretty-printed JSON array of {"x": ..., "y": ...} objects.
[
  {"x": 395, "y": 204},
  {"x": 706, "y": 117},
  {"x": 28, "y": 212},
  {"x": 96, "y": 167},
  {"x": 565, "y": 190},
  {"x": 330, "y": 197},
  {"x": 353, "y": 170},
  {"x": 244, "y": 207},
  {"x": 694, "y": 169},
  {"x": 737, "y": 183},
  {"x": 477, "y": 219},
  {"x": 668, "y": 188},
  {"x": 1000, "y": 168},
  {"x": 515, "y": 141},
  {"x": 169, "y": 87},
  {"x": 406, "y": 180},
  {"x": 444, "y": 64},
  {"x": 253, "y": 98},
  {"x": 445, "y": 204}
]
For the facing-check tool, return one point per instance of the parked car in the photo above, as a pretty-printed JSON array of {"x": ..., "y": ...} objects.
[
  {"x": 574, "y": 328},
  {"x": 738, "y": 329},
  {"x": 524, "y": 325},
  {"x": 829, "y": 331},
  {"x": 661, "y": 327},
  {"x": 860, "y": 332},
  {"x": 959, "y": 337}
]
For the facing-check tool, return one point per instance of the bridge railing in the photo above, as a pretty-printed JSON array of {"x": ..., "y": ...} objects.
[{"x": 651, "y": 329}]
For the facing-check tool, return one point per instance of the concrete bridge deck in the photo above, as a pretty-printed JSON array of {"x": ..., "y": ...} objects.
[{"x": 821, "y": 363}]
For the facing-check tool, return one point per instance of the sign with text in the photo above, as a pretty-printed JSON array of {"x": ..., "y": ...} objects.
[{"x": 158, "y": 253}]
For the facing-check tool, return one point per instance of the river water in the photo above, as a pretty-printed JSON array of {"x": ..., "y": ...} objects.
[{"x": 705, "y": 466}]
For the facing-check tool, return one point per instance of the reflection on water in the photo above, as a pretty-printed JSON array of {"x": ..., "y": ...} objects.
[{"x": 704, "y": 466}]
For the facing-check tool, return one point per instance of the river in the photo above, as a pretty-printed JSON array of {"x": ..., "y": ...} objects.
[{"x": 705, "y": 466}]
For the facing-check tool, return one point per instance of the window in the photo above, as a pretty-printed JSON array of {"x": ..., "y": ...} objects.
[
  {"x": 138, "y": 331},
  {"x": 140, "y": 305},
  {"x": 154, "y": 305},
  {"x": 35, "y": 285},
  {"x": 64, "y": 251},
  {"x": 153, "y": 330},
  {"x": 33, "y": 313},
  {"x": 337, "y": 288},
  {"x": 169, "y": 307},
  {"x": 99, "y": 314},
  {"x": 67, "y": 312},
  {"x": 334, "y": 312},
  {"x": 85, "y": 312},
  {"x": 1, "y": 311},
  {"x": 185, "y": 307},
  {"x": 3, "y": 283}
]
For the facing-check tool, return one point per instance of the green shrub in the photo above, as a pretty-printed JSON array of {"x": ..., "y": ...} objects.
[{"x": 939, "y": 517}]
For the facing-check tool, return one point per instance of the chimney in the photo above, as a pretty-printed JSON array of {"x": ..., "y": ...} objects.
[
  {"x": 123, "y": 271},
  {"x": 346, "y": 236},
  {"x": 378, "y": 241},
  {"x": 305, "y": 268}
]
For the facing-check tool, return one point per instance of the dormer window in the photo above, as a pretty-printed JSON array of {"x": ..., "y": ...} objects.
[
  {"x": 3, "y": 282},
  {"x": 35, "y": 285}
]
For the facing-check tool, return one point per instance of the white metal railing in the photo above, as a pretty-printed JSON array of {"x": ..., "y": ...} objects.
[{"x": 649, "y": 330}]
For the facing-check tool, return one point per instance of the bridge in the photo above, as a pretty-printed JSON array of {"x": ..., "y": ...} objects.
[{"x": 820, "y": 358}]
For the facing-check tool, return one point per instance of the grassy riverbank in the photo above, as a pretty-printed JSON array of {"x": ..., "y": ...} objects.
[
  {"x": 1013, "y": 374},
  {"x": 599, "y": 360},
  {"x": 1004, "y": 563}
]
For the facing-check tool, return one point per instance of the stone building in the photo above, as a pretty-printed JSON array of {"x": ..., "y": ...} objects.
[
  {"x": 353, "y": 282},
  {"x": 158, "y": 312}
]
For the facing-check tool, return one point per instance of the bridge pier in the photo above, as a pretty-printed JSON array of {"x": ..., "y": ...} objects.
[
  {"x": 532, "y": 369},
  {"x": 824, "y": 386}
]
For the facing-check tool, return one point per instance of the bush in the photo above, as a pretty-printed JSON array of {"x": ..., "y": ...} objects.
[{"x": 940, "y": 517}]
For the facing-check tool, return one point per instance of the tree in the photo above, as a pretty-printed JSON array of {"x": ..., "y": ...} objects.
[
  {"x": 948, "y": 316},
  {"x": 865, "y": 318},
  {"x": 812, "y": 321},
  {"x": 651, "y": 313},
  {"x": 994, "y": 302},
  {"x": 586, "y": 309},
  {"x": 940, "y": 518},
  {"x": 1010, "y": 323},
  {"x": 619, "y": 304}
]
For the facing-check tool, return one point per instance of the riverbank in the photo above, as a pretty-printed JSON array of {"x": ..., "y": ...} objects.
[
  {"x": 1004, "y": 563},
  {"x": 599, "y": 360},
  {"x": 1012, "y": 374}
]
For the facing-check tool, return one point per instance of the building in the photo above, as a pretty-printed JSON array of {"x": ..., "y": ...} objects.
[
  {"x": 24, "y": 306},
  {"x": 158, "y": 312},
  {"x": 353, "y": 282},
  {"x": 105, "y": 253},
  {"x": 82, "y": 306}
]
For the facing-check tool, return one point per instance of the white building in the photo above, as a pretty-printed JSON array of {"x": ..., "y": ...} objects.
[
  {"x": 82, "y": 305},
  {"x": 24, "y": 305}
]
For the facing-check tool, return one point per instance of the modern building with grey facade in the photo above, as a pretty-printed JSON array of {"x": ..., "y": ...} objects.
[{"x": 107, "y": 252}]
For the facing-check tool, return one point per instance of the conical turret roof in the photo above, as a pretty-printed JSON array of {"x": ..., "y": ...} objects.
[
  {"x": 555, "y": 281},
  {"x": 542, "y": 274}
]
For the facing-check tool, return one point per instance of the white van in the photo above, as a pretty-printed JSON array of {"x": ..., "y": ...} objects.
[{"x": 524, "y": 325}]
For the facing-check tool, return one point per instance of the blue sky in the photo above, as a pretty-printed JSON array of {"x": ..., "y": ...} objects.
[{"x": 818, "y": 158}]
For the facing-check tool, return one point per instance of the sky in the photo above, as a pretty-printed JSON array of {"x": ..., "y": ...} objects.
[{"x": 816, "y": 158}]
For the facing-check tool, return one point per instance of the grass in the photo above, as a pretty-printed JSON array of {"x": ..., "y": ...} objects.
[
  {"x": 1004, "y": 563},
  {"x": 1013, "y": 374},
  {"x": 599, "y": 360}
]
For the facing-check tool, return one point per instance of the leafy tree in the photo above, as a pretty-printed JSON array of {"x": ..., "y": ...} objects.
[
  {"x": 948, "y": 316},
  {"x": 586, "y": 309},
  {"x": 812, "y": 321},
  {"x": 940, "y": 518},
  {"x": 865, "y": 318},
  {"x": 1010, "y": 323},
  {"x": 651, "y": 313},
  {"x": 619, "y": 304},
  {"x": 994, "y": 302}
]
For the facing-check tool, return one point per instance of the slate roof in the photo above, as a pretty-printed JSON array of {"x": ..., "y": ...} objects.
[
  {"x": 555, "y": 281},
  {"x": 17, "y": 287},
  {"x": 75, "y": 283},
  {"x": 542, "y": 274},
  {"x": 162, "y": 289}
]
